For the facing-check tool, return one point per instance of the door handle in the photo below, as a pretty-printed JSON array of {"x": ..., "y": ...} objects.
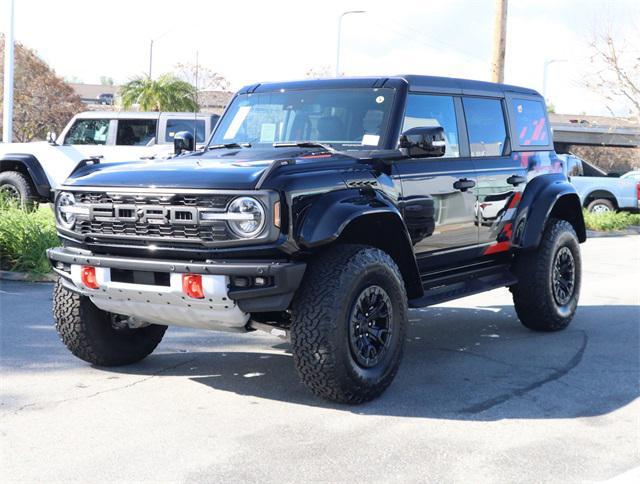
[
  {"x": 516, "y": 180},
  {"x": 464, "y": 184}
]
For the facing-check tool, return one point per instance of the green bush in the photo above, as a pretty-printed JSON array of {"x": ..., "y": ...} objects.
[
  {"x": 608, "y": 221},
  {"x": 24, "y": 238}
]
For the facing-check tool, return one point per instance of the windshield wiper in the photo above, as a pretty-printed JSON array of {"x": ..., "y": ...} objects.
[
  {"x": 228, "y": 146},
  {"x": 305, "y": 144}
]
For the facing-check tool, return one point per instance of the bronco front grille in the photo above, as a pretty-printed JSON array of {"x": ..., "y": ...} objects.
[{"x": 156, "y": 218}]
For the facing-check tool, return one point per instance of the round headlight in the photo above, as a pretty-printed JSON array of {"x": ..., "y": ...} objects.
[
  {"x": 246, "y": 217},
  {"x": 66, "y": 217}
]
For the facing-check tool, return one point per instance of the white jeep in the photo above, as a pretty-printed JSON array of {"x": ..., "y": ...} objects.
[{"x": 30, "y": 172}]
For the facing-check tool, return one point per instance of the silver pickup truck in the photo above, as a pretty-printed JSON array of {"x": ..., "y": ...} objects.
[{"x": 598, "y": 191}]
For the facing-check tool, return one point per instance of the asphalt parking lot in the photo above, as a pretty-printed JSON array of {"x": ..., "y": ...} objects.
[{"x": 478, "y": 399}]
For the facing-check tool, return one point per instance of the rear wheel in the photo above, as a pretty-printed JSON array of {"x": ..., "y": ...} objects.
[
  {"x": 546, "y": 296},
  {"x": 348, "y": 324},
  {"x": 15, "y": 186},
  {"x": 601, "y": 205},
  {"x": 96, "y": 336}
]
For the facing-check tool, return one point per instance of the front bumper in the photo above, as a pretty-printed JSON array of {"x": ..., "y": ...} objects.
[{"x": 224, "y": 307}]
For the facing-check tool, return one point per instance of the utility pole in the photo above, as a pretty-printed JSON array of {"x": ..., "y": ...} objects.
[
  {"x": 7, "y": 116},
  {"x": 499, "y": 41}
]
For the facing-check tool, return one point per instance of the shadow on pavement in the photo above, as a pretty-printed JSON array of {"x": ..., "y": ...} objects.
[{"x": 459, "y": 363}]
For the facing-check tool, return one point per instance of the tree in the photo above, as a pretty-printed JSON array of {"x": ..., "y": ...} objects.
[
  {"x": 42, "y": 101},
  {"x": 167, "y": 93},
  {"x": 618, "y": 71},
  {"x": 207, "y": 78},
  {"x": 106, "y": 80},
  {"x": 321, "y": 72}
]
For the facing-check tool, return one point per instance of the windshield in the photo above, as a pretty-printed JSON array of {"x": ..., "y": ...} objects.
[{"x": 344, "y": 118}]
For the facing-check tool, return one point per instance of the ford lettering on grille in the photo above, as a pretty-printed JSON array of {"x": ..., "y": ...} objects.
[{"x": 147, "y": 214}]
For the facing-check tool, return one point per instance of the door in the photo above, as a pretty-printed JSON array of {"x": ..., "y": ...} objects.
[
  {"x": 447, "y": 181},
  {"x": 501, "y": 177}
]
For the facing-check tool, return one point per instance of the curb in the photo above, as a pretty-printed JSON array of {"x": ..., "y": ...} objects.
[
  {"x": 26, "y": 277},
  {"x": 632, "y": 230}
]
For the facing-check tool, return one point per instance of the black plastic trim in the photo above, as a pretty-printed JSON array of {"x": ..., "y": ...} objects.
[{"x": 35, "y": 170}]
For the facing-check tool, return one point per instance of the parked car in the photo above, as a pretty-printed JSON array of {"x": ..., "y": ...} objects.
[
  {"x": 321, "y": 211},
  {"x": 30, "y": 171},
  {"x": 105, "y": 98},
  {"x": 600, "y": 192}
]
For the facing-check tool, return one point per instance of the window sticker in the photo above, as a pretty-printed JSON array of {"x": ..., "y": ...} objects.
[
  {"x": 238, "y": 119},
  {"x": 380, "y": 99},
  {"x": 267, "y": 133},
  {"x": 370, "y": 140},
  {"x": 101, "y": 135}
]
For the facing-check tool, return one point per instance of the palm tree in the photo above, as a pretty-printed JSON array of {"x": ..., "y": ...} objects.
[{"x": 167, "y": 93}]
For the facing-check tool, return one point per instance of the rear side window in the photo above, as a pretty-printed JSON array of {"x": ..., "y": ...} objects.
[
  {"x": 136, "y": 132},
  {"x": 485, "y": 126},
  {"x": 88, "y": 132},
  {"x": 531, "y": 122},
  {"x": 428, "y": 111},
  {"x": 176, "y": 125}
]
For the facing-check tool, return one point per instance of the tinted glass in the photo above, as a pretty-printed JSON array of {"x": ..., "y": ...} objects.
[
  {"x": 344, "y": 117},
  {"x": 426, "y": 111},
  {"x": 485, "y": 126},
  {"x": 88, "y": 132},
  {"x": 531, "y": 122},
  {"x": 136, "y": 132},
  {"x": 176, "y": 125}
]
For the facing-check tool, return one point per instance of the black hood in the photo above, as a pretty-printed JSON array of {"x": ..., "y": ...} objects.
[{"x": 224, "y": 169}]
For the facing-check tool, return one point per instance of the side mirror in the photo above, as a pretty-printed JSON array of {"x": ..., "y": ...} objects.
[
  {"x": 51, "y": 137},
  {"x": 183, "y": 141},
  {"x": 423, "y": 142}
]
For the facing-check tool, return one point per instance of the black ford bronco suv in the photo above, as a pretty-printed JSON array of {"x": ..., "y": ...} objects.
[{"x": 323, "y": 210}]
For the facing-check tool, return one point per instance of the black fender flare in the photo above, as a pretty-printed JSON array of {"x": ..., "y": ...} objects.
[
  {"x": 544, "y": 196},
  {"x": 361, "y": 216},
  {"x": 34, "y": 169}
]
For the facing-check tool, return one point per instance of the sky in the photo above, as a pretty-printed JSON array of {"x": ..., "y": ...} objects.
[{"x": 254, "y": 41}]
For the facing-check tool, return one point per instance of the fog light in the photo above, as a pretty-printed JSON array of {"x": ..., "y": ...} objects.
[
  {"x": 260, "y": 281},
  {"x": 192, "y": 286},
  {"x": 88, "y": 277},
  {"x": 241, "y": 281}
]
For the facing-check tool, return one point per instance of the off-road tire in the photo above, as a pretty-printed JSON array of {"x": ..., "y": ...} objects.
[
  {"x": 603, "y": 202},
  {"x": 533, "y": 296},
  {"x": 19, "y": 184},
  {"x": 88, "y": 333},
  {"x": 320, "y": 330}
]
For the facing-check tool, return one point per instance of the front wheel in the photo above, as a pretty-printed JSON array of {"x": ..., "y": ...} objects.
[
  {"x": 93, "y": 335},
  {"x": 546, "y": 296},
  {"x": 348, "y": 324},
  {"x": 17, "y": 188}
]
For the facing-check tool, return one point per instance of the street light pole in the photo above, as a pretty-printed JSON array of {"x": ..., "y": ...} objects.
[
  {"x": 151, "y": 50},
  {"x": 7, "y": 117},
  {"x": 340, "y": 35},
  {"x": 547, "y": 63},
  {"x": 150, "y": 57}
]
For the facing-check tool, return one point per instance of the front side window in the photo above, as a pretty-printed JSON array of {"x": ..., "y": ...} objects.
[
  {"x": 427, "y": 111},
  {"x": 136, "y": 132},
  {"x": 176, "y": 125},
  {"x": 346, "y": 118},
  {"x": 531, "y": 122},
  {"x": 485, "y": 126},
  {"x": 88, "y": 132}
]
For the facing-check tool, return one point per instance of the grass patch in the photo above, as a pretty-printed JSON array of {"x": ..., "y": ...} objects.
[
  {"x": 24, "y": 238},
  {"x": 608, "y": 221}
]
